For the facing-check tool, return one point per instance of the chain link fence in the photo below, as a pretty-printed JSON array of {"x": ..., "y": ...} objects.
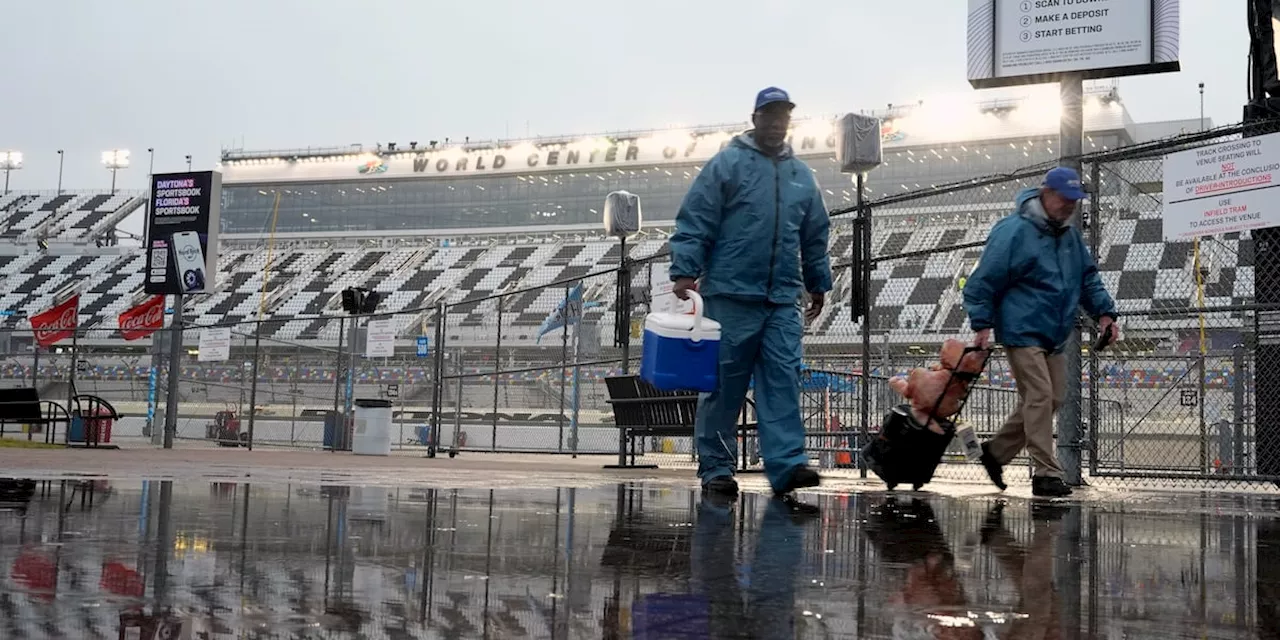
[{"x": 488, "y": 362}]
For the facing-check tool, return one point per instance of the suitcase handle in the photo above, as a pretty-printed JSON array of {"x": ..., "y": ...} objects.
[{"x": 965, "y": 377}]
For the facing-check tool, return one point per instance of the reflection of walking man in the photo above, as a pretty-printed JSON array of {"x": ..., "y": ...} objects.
[
  {"x": 1032, "y": 278},
  {"x": 754, "y": 228}
]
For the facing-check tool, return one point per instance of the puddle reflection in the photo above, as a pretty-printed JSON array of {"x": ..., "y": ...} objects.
[{"x": 97, "y": 559}]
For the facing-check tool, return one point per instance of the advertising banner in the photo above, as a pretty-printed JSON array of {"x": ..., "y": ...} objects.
[
  {"x": 1035, "y": 41},
  {"x": 56, "y": 324},
  {"x": 182, "y": 232},
  {"x": 1222, "y": 188},
  {"x": 142, "y": 320}
]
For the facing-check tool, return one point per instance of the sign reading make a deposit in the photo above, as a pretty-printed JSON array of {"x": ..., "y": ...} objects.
[{"x": 1222, "y": 188}]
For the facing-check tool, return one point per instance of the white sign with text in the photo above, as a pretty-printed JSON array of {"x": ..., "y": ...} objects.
[
  {"x": 1222, "y": 188},
  {"x": 381, "y": 342},
  {"x": 215, "y": 344}
]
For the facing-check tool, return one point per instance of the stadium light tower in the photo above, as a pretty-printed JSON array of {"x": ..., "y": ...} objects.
[
  {"x": 9, "y": 160},
  {"x": 115, "y": 160}
]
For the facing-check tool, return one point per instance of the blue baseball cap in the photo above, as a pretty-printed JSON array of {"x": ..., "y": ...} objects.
[
  {"x": 1066, "y": 182},
  {"x": 771, "y": 95}
]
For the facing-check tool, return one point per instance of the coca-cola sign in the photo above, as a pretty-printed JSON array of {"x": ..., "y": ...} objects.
[
  {"x": 56, "y": 324},
  {"x": 142, "y": 320}
]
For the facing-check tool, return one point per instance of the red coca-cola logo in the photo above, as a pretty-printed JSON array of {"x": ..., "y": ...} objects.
[
  {"x": 151, "y": 318},
  {"x": 142, "y": 320},
  {"x": 65, "y": 322}
]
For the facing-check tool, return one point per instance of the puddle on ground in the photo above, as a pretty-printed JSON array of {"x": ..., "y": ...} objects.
[{"x": 161, "y": 559}]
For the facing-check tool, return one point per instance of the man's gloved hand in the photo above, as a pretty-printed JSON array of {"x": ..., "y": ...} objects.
[
  {"x": 982, "y": 339},
  {"x": 816, "y": 301},
  {"x": 683, "y": 286}
]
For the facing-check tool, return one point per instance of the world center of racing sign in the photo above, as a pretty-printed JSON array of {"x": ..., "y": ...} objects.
[{"x": 1222, "y": 188}]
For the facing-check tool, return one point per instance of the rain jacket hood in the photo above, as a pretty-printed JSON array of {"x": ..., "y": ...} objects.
[
  {"x": 1032, "y": 278},
  {"x": 753, "y": 227}
]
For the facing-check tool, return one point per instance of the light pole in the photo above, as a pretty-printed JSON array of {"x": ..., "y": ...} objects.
[
  {"x": 9, "y": 160},
  {"x": 188, "y": 162},
  {"x": 1202, "y": 106},
  {"x": 60, "y": 156},
  {"x": 115, "y": 160}
]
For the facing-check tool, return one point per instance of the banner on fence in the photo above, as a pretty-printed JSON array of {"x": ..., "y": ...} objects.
[
  {"x": 215, "y": 344},
  {"x": 1222, "y": 188},
  {"x": 142, "y": 320},
  {"x": 57, "y": 323},
  {"x": 381, "y": 338}
]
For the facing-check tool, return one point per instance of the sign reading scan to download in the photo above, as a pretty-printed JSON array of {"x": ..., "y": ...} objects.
[{"x": 182, "y": 232}]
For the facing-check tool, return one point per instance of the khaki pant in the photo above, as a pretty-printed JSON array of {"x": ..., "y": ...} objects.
[{"x": 1041, "y": 390}]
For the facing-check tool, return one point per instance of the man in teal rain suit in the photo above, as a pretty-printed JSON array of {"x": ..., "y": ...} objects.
[{"x": 754, "y": 228}]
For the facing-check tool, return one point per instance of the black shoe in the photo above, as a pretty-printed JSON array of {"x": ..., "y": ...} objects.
[
  {"x": 1046, "y": 487},
  {"x": 721, "y": 485},
  {"x": 799, "y": 511},
  {"x": 994, "y": 470},
  {"x": 801, "y": 478}
]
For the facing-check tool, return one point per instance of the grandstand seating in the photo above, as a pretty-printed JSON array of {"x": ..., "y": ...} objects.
[
  {"x": 913, "y": 296},
  {"x": 68, "y": 216}
]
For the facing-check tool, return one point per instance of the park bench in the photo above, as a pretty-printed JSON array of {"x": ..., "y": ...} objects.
[
  {"x": 641, "y": 411},
  {"x": 22, "y": 406}
]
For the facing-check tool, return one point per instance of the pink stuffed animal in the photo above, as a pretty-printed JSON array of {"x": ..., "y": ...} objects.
[{"x": 926, "y": 389}]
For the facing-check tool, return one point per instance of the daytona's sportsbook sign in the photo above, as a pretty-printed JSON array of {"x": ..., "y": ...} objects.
[{"x": 1222, "y": 188}]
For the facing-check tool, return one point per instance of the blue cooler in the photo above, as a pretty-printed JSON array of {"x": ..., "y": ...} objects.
[{"x": 681, "y": 352}]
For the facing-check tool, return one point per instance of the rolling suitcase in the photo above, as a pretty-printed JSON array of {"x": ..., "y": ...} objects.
[{"x": 907, "y": 452}]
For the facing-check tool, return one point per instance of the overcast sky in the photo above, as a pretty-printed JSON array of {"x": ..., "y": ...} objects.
[{"x": 194, "y": 77}]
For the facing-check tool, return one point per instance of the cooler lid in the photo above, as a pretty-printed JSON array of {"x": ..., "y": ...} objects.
[{"x": 680, "y": 325}]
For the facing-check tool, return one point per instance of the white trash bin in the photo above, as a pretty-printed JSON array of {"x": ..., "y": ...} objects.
[{"x": 372, "y": 435}]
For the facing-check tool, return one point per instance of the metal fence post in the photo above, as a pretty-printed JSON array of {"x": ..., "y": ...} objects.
[
  {"x": 864, "y": 213},
  {"x": 455, "y": 446},
  {"x": 564, "y": 358},
  {"x": 253, "y": 383},
  {"x": 1095, "y": 243},
  {"x": 1071, "y": 91},
  {"x": 497, "y": 366},
  {"x": 1238, "y": 402},
  {"x": 175, "y": 366},
  {"x": 437, "y": 383},
  {"x": 337, "y": 385}
]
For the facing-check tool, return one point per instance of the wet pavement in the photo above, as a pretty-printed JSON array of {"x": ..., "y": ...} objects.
[{"x": 134, "y": 558}]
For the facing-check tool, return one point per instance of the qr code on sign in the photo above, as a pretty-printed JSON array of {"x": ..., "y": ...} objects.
[{"x": 159, "y": 256}]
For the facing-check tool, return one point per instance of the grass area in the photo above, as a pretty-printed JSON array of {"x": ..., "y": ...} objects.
[{"x": 9, "y": 443}]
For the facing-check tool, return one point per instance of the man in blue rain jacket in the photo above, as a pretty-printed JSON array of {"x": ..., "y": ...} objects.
[
  {"x": 754, "y": 228},
  {"x": 1034, "y": 275}
]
